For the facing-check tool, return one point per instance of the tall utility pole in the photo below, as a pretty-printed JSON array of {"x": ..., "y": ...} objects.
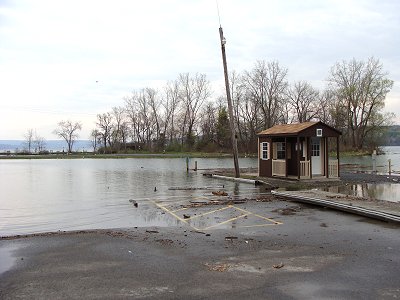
[{"x": 230, "y": 107}]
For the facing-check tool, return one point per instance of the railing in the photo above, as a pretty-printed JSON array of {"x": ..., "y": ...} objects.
[
  {"x": 278, "y": 167},
  {"x": 305, "y": 169},
  {"x": 333, "y": 167}
]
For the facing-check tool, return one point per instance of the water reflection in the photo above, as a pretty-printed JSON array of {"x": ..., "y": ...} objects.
[
  {"x": 365, "y": 163},
  {"x": 381, "y": 191},
  {"x": 50, "y": 195}
]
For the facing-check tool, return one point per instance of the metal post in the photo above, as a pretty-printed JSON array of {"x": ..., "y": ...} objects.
[
  {"x": 374, "y": 161},
  {"x": 298, "y": 157},
  {"x": 390, "y": 166},
  {"x": 195, "y": 165},
  {"x": 337, "y": 156},
  {"x": 187, "y": 164},
  {"x": 326, "y": 156},
  {"x": 230, "y": 108}
]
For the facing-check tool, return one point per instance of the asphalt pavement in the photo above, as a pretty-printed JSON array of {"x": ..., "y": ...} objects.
[{"x": 257, "y": 250}]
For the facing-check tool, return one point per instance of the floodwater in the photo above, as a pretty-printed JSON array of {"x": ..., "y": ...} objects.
[
  {"x": 380, "y": 191},
  {"x": 365, "y": 163},
  {"x": 74, "y": 194}
]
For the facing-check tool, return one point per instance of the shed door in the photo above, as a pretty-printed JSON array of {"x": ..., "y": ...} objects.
[{"x": 316, "y": 156}]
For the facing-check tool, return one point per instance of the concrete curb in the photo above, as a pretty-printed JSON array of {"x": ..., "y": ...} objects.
[{"x": 340, "y": 206}]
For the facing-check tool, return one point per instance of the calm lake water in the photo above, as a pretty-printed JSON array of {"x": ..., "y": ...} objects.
[
  {"x": 382, "y": 161},
  {"x": 73, "y": 194}
]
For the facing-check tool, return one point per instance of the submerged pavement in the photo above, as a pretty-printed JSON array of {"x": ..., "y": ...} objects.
[{"x": 261, "y": 249}]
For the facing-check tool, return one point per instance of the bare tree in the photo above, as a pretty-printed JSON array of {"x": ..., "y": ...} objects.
[
  {"x": 145, "y": 116},
  {"x": 207, "y": 123},
  {"x": 124, "y": 133},
  {"x": 326, "y": 111},
  {"x": 95, "y": 138},
  {"x": 266, "y": 85},
  {"x": 69, "y": 132},
  {"x": 303, "y": 99},
  {"x": 133, "y": 116},
  {"x": 39, "y": 143},
  {"x": 362, "y": 88},
  {"x": 251, "y": 123},
  {"x": 193, "y": 92},
  {"x": 170, "y": 105},
  {"x": 154, "y": 103},
  {"x": 237, "y": 92},
  {"x": 117, "y": 134},
  {"x": 105, "y": 125},
  {"x": 29, "y": 135}
]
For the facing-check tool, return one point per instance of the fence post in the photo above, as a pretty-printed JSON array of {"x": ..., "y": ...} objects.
[
  {"x": 374, "y": 161},
  {"x": 390, "y": 166}
]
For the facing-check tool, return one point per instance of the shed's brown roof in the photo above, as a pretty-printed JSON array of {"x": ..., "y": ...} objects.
[{"x": 287, "y": 128}]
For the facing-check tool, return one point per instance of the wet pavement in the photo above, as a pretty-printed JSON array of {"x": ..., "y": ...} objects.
[{"x": 214, "y": 248}]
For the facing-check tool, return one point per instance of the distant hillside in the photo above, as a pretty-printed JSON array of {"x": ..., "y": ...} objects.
[
  {"x": 392, "y": 135},
  {"x": 51, "y": 145}
]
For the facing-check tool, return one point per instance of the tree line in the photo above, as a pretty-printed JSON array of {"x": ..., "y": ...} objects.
[{"x": 185, "y": 114}]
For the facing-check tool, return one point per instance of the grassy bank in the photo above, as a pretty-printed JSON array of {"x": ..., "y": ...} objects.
[{"x": 88, "y": 155}]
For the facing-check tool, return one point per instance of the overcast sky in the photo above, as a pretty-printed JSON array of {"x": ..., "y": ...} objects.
[{"x": 71, "y": 59}]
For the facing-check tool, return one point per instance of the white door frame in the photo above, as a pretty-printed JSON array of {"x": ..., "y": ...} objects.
[{"x": 316, "y": 157}]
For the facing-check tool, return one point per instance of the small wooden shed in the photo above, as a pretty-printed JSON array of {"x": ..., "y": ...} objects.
[{"x": 298, "y": 151}]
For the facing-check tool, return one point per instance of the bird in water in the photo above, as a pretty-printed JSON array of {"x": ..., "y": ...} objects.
[{"x": 155, "y": 189}]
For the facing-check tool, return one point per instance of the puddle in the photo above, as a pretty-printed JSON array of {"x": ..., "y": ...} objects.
[{"x": 7, "y": 258}]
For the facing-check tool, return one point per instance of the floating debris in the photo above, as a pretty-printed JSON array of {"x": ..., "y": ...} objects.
[
  {"x": 287, "y": 210},
  {"x": 201, "y": 232},
  {"x": 265, "y": 198},
  {"x": 219, "y": 193},
  {"x": 135, "y": 204},
  {"x": 193, "y": 188},
  {"x": 278, "y": 266}
]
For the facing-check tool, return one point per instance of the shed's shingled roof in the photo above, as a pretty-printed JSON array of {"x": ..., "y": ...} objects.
[{"x": 287, "y": 128}]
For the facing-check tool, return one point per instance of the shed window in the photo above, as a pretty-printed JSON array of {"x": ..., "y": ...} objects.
[
  {"x": 264, "y": 150},
  {"x": 280, "y": 150},
  {"x": 319, "y": 131},
  {"x": 315, "y": 147}
]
